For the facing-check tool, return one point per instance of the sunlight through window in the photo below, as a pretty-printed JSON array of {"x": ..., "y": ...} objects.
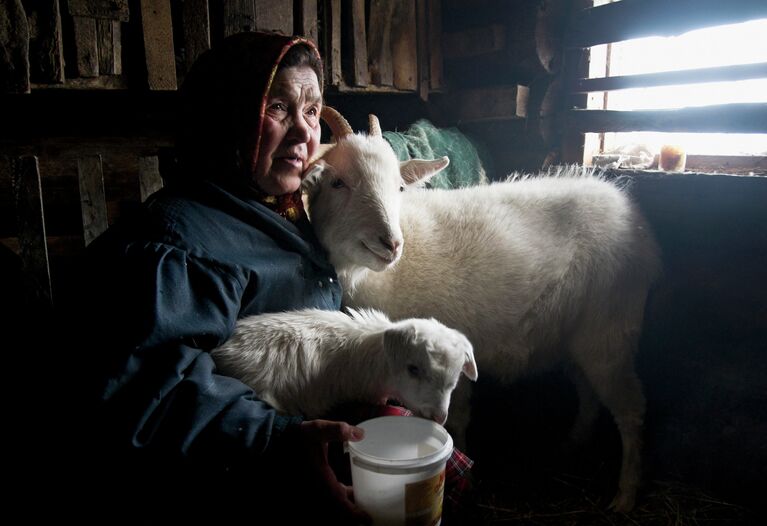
[{"x": 705, "y": 48}]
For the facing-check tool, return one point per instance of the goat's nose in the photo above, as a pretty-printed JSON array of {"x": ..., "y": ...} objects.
[
  {"x": 439, "y": 417},
  {"x": 391, "y": 244}
]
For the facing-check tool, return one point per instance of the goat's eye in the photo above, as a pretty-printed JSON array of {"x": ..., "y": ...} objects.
[
  {"x": 337, "y": 183},
  {"x": 413, "y": 371},
  {"x": 402, "y": 188}
]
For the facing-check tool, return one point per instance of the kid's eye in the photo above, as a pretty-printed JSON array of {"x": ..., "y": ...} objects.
[
  {"x": 402, "y": 188},
  {"x": 413, "y": 371},
  {"x": 337, "y": 183}
]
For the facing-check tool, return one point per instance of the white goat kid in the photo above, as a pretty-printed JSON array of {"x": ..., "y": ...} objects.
[
  {"x": 310, "y": 361},
  {"x": 536, "y": 271}
]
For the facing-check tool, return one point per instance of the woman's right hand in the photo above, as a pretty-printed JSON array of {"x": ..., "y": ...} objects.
[{"x": 314, "y": 437}]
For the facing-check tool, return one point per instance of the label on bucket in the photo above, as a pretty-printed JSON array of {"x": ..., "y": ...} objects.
[{"x": 423, "y": 501}]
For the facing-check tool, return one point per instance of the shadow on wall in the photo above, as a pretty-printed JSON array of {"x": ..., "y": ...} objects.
[{"x": 703, "y": 355}]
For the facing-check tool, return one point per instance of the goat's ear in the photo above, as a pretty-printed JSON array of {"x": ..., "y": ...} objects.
[
  {"x": 419, "y": 171},
  {"x": 470, "y": 366},
  {"x": 313, "y": 175},
  {"x": 398, "y": 341}
]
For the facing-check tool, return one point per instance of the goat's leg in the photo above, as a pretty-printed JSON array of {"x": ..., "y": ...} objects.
[
  {"x": 588, "y": 408},
  {"x": 609, "y": 368}
]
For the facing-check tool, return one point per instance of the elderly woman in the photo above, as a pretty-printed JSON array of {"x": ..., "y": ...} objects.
[{"x": 172, "y": 440}]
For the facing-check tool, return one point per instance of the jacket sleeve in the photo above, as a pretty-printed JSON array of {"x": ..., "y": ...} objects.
[{"x": 161, "y": 310}]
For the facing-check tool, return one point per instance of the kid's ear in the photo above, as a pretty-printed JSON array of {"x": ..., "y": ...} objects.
[{"x": 418, "y": 171}]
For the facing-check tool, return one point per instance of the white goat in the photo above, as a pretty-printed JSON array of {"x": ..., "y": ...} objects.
[
  {"x": 536, "y": 271},
  {"x": 309, "y": 361}
]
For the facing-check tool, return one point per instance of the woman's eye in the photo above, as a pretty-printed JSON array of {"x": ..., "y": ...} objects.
[
  {"x": 279, "y": 106},
  {"x": 413, "y": 371},
  {"x": 337, "y": 183},
  {"x": 313, "y": 112}
]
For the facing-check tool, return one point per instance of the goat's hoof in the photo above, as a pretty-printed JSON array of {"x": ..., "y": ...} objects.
[{"x": 623, "y": 502}]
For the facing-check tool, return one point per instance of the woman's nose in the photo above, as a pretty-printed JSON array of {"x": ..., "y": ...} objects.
[{"x": 299, "y": 129}]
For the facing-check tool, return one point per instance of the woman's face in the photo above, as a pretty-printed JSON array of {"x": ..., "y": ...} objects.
[{"x": 291, "y": 131}]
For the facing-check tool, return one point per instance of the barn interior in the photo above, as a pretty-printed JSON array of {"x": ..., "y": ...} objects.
[{"x": 88, "y": 97}]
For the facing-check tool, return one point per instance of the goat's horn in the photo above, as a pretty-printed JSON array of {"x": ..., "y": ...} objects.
[
  {"x": 374, "y": 126},
  {"x": 337, "y": 123}
]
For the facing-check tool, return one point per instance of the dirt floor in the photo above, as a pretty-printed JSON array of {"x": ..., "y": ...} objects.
[{"x": 523, "y": 474}]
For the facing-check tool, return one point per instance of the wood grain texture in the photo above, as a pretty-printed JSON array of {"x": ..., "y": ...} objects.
[
  {"x": 158, "y": 44},
  {"x": 93, "y": 203}
]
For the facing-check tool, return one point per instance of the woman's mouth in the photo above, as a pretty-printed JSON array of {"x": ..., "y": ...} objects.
[{"x": 296, "y": 162}]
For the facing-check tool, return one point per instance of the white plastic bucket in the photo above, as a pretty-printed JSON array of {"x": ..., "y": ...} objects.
[{"x": 398, "y": 470}]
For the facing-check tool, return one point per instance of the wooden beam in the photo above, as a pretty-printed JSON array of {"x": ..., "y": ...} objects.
[
  {"x": 629, "y": 19},
  {"x": 93, "y": 203},
  {"x": 150, "y": 180},
  {"x": 239, "y": 16},
  {"x": 379, "y": 43},
  {"x": 46, "y": 51},
  {"x": 422, "y": 49},
  {"x": 475, "y": 41},
  {"x": 434, "y": 28},
  {"x": 158, "y": 44},
  {"x": 689, "y": 76},
  {"x": 113, "y": 9},
  {"x": 274, "y": 15},
  {"x": 109, "y": 37},
  {"x": 14, "y": 48},
  {"x": 196, "y": 19},
  {"x": 28, "y": 197},
  {"x": 332, "y": 19},
  {"x": 359, "y": 48},
  {"x": 486, "y": 104},
  {"x": 404, "y": 45},
  {"x": 86, "y": 46},
  {"x": 306, "y": 19},
  {"x": 724, "y": 118}
]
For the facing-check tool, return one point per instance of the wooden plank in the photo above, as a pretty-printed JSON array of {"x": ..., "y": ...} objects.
[
  {"x": 629, "y": 19},
  {"x": 196, "y": 21},
  {"x": 484, "y": 104},
  {"x": 474, "y": 42},
  {"x": 46, "y": 51},
  {"x": 404, "y": 45},
  {"x": 28, "y": 197},
  {"x": 113, "y": 9},
  {"x": 150, "y": 180},
  {"x": 689, "y": 76},
  {"x": 332, "y": 18},
  {"x": 359, "y": 49},
  {"x": 422, "y": 49},
  {"x": 158, "y": 44},
  {"x": 110, "y": 46},
  {"x": 742, "y": 164},
  {"x": 274, "y": 15},
  {"x": 723, "y": 118},
  {"x": 14, "y": 48},
  {"x": 434, "y": 28},
  {"x": 86, "y": 47},
  {"x": 379, "y": 43},
  {"x": 306, "y": 19},
  {"x": 93, "y": 203},
  {"x": 239, "y": 16}
]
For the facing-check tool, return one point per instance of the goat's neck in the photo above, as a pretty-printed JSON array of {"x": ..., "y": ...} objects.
[{"x": 350, "y": 277}]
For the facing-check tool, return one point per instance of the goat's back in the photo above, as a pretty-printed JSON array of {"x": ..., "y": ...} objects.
[{"x": 505, "y": 261}]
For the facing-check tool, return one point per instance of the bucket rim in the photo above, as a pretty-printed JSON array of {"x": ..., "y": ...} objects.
[{"x": 382, "y": 464}]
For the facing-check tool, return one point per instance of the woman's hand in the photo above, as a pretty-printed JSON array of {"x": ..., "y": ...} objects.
[{"x": 314, "y": 437}]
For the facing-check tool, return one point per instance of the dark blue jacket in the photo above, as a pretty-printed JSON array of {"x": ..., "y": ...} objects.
[{"x": 169, "y": 285}]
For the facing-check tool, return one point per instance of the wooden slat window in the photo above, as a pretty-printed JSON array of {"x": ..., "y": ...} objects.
[{"x": 719, "y": 90}]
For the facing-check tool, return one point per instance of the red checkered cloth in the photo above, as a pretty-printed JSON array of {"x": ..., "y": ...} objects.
[{"x": 457, "y": 481}]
